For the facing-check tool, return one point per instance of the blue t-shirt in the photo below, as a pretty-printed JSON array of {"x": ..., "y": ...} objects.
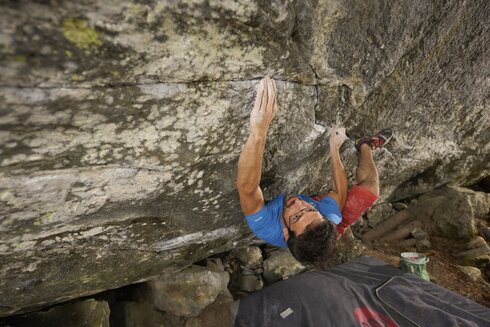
[{"x": 267, "y": 222}]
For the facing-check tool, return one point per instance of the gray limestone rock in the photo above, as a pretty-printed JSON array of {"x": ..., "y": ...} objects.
[
  {"x": 250, "y": 256},
  {"x": 449, "y": 212},
  {"x": 485, "y": 232},
  {"x": 215, "y": 315},
  {"x": 250, "y": 283},
  {"x": 122, "y": 122},
  {"x": 379, "y": 213},
  {"x": 419, "y": 234},
  {"x": 188, "y": 292},
  {"x": 477, "y": 242},
  {"x": 472, "y": 272},
  {"x": 87, "y": 313},
  {"x": 475, "y": 257},
  {"x": 215, "y": 264},
  {"x": 281, "y": 265}
]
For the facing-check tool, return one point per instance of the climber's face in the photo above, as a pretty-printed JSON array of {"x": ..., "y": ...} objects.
[{"x": 297, "y": 214}]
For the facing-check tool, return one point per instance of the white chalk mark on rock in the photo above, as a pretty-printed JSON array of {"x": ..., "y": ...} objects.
[{"x": 195, "y": 238}]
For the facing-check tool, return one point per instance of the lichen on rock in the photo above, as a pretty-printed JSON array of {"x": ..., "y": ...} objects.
[
  {"x": 80, "y": 33},
  {"x": 121, "y": 124}
]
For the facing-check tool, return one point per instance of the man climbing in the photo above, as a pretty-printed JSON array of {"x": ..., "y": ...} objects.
[{"x": 308, "y": 226}]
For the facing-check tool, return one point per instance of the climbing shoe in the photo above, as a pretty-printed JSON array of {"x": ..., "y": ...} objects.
[{"x": 375, "y": 141}]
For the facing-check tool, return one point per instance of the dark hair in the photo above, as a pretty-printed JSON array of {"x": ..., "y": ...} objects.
[{"x": 316, "y": 245}]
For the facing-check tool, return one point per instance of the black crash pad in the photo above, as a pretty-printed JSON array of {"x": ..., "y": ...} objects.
[{"x": 363, "y": 292}]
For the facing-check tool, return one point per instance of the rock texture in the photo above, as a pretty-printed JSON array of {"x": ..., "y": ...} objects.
[
  {"x": 378, "y": 213},
  {"x": 281, "y": 265},
  {"x": 250, "y": 256},
  {"x": 450, "y": 211},
  {"x": 88, "y": 313},
  {"x": 122, "y": 121},
  {"x": 188, "y": 292},
  {"x": 215, "y": 315},
  {"x": 471, "y": 272},
  {"x": 134, "y": 314}
]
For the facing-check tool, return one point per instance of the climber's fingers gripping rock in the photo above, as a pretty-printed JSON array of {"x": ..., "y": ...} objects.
[
  {"x": 265, "y": 106},
  {"x": 337, "y": 137}
]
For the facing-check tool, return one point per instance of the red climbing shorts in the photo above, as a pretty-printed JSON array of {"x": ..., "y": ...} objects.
[{"x": 359, "y": 200}]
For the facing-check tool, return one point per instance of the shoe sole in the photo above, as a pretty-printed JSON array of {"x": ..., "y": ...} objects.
[{"x": 385, "y": 134}]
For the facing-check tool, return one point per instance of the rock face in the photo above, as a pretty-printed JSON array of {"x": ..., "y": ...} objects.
[
  {"x": 451, "y": 211},
  {"x": 122, "y": 121},
  {"x": 250, "y": 256},
  {"x": 378, "y": 213},
  {"x": 281, "y": 265},
  {"x": 88, "y": 313},
  {"x": 215, "y": 315},
  {"x": 471, "y": 272},
  {"x": 475, "y": 252},
  {"x": 188, "y": 292}
]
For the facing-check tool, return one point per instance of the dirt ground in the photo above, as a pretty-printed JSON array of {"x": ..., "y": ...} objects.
[{"x": 442, "y": 270}]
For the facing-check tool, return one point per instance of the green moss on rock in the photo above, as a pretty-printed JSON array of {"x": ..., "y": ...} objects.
[{"x": 79, "y": 33}]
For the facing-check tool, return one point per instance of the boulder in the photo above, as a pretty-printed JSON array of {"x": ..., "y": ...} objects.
[
  {"x": 122, "y": 123},
  {"x": 474, "y": 243},
  {"x": 215, "y": 264},
  {"x": 473, "y": 273},
  {"x": 281, "y": 265},
  {"x": 133, "y": 306},
  {"x": 480, "y": 202},
  {"x": 379, "y": 213},
  {"x": 215, "y": 315},
  {"x": 484, "y": 231},
  {"x": 419, "y": 234},
  {"x": 87, "y": 313},
  {"x": 479, "y": 256},
  {"x": 250, "y": 256},
  {"x": 250, "y": 283},
  {"x": 450, "y": 211},
  {"x": 188, "y": 292}
]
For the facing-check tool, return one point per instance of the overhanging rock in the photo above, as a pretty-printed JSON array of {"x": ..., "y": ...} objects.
[{"x": 121, "y": 122}]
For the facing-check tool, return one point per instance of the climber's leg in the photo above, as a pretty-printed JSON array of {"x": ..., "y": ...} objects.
[
  {"x": 362, "y": 196},
  {"x": 367, "y": 174}
]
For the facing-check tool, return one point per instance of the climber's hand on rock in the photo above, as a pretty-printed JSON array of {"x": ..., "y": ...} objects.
[
  {"x": 265, "y": 106},
  {"x": 337, "y": 137}
]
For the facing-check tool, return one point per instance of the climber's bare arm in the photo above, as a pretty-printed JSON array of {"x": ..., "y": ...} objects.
[
  {"x": 339, "y": 177},
  {"x": 250, "y": 162}
]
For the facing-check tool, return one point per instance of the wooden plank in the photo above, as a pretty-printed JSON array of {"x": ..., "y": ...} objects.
[
  {"x": 401, "y": 232},
  {"x": 386, "y": 226}
]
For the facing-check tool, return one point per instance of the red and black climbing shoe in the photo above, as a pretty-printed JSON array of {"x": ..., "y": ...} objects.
[{"x": 375, "y": 141}]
